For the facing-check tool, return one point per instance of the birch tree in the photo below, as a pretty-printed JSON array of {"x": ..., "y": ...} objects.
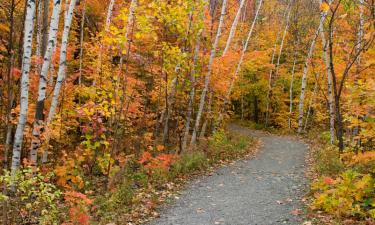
[
  {"x": 234, "y": 27},
  {"x": 43, "y": 78},
  {"x": 268, "y": 100},
  {"x": 306, "y": 70},
  {"x": 24, "y": 101},
  {"x": 291, "y": 91},
  {"x": 208, "y": 74},
  {"x": 238, "y": 68},
  {"x": 61, "y": 74}
]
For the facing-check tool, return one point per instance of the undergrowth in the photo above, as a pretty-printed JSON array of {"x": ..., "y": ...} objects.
[{"x": 344, "y": 185}]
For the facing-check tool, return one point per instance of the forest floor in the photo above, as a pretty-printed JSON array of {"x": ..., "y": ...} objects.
[{"x": 267, "y": 189}]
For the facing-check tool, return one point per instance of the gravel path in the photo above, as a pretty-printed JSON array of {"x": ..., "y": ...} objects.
[{"x": 262, "y": 190}]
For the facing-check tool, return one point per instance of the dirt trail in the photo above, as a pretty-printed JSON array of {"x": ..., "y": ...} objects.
[{"x": 264, "y": 190}]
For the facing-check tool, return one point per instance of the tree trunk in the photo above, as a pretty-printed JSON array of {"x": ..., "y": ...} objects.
[
  {"x": 329, "y": 90},
  {"x": 43, "y": 78},
  {"x": 306, "y": 70},
  {"x": 238, "y": 69},
  {"x": 312, "y": 100},
  {"x": 234, "y": 27},
  {"x": 61, "y": 74},
  {"x": 268, "y": 101},
  {"x": 81, "y": 37},
  {"x": 24, "y": 102},
  {"x": 204, "y": 126},
  {"x": 283, "y": 38},
  {"x": 209, "y": 71},
  {"x": 291, "y": 91}
]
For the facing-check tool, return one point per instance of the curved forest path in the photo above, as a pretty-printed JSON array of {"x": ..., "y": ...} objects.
[{"x": 263, "y": 190}]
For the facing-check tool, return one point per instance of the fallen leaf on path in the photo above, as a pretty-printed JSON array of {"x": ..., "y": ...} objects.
[{"x": 296, "y": 212}]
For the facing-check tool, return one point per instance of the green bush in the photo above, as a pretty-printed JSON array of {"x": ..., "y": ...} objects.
[
  {"x": 189, "y": 162},
  {"x": 30, "y": 197}
]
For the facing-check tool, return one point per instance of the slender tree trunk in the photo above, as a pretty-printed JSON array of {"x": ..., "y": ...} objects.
[
  {"x": 192, "y": 87},
  {"x": 169, "y": 103},
  {"x": 24, "y": 102},
  {"x": 208, "y": 75},
  {"x": 43, "y": 79},
  {"x": 45, "y": 26},
  {"x": 312, "y": 100},
  {"x": 329, "y": 90},
  {"x": 39, "y": 36},
  {"x": 106, "y": 29},
  {"x": 204, "y": 126},
  {"x": 81, "y": 37},
  {"x": 238, "y": 69},
  {"x": 234, "y": 27},
  {"x": 283, "y": 38},
  {"x": 61, "y": 74},
  {"x": 306, "y": 70},
  {"x": 291, "y": 91},
  {"x": 9, "y": 89},
  {"x": 268, "y": 100}
]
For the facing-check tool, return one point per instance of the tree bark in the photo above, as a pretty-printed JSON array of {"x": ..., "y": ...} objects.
[
  {"x": 306, "y": 70},
  {"x": 329, "y": 90},
  {"x": 208, "y": 74},
  {"x": 24, "y": 101},
  {"x": 291, "y": 91},
  {"x": 43, "y": 79},
  {"x": 268, "y": 101},
  {"x": 61, "y": 74},
  {"x": 234, "y": 27},
  {"x": 238, "y": 69}
]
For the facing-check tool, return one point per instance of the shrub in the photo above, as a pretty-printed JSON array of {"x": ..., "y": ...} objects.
[
  {"x": 328, "y": 161},
  {"x": 351, "y": 194},
  {"x": 189, "y": 162},
  {"x": 227, "y": 147},
  {"x": 30, "y": 197}
]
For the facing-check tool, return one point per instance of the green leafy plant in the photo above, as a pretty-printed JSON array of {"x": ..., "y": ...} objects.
[{"x": 30, "y": 197}]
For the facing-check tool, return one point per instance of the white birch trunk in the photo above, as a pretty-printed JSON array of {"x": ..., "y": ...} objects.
[
  {"x": 204, "y": 126},
  {"x": 283, "y": 38},
  {"x": 39, "y": 31},
  {"x": 191, "y": 95},
  {"x": 24, "y": 101},
  {"x": 238, "y": 69},
  {"x": 209, "y": 71},
  {"x": 291, "y": 92},
  {"x": 109, "y": 15},
  {"x": 61, "y": 74},
  {"x": 329, "y": 90},
  {"x": 106, "y": 29},
  {"x": 234, "y": 27},
  {"x": 38, "y": 123},
  {"x": 306, "y": 70},
  {"x": 82, "y": 32}
]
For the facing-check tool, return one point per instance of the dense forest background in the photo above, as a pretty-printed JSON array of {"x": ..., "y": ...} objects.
[{"x": 91, "y": 90}]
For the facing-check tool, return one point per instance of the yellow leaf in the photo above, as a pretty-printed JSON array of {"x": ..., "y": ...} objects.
[{"x": 324, "y": 7}]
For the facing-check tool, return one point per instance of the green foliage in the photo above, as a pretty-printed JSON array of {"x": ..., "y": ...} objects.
[
  {"x": 328, "y": 161},
  {"x": 30, "y": 197},
  {"x": 351, "y": 194},
  {"x": 190, "y": 162},
  {"x": 227, "y": 147}
]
